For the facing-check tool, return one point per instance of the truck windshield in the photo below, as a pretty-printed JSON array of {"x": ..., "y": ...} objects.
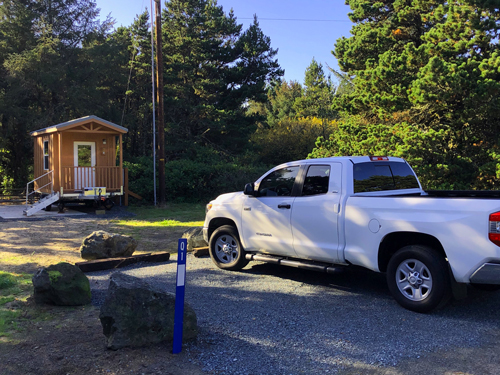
[{"x": 379, "y": 176}]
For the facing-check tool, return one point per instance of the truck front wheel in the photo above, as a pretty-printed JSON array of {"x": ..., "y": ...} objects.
[
  {"x": 226, "y": 250},
  {"x": 417, "y": 277}
]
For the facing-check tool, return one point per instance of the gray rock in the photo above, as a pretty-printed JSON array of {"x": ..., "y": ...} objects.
[
  {"x": 194, "y": 238},
  {"x": 136, "y": 313},
  {"x": 61, "y": 284},
  {"x": 101, "y": 245}
]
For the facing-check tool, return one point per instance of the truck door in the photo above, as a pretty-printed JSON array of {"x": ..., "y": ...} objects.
[
  {"x": 316, "y": 212},
  {"x": 266, "y": 218}
]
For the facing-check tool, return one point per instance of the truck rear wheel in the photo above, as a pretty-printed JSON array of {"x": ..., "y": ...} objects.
[
  {"x": 226, "y": 250},
  {"x": 417, "y": 277}
]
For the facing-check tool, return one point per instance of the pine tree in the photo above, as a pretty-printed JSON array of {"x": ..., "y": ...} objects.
[
  {"x": 426, "y": 72},
  {"x": 40, "y": 56},
  {"x": 212, "y": 70},
  {"x": 318, "y": 95},
  {"x": 281, "y": 101}
]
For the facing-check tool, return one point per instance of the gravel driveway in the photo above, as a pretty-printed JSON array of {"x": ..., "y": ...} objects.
[{"x": 268, "y": 319}]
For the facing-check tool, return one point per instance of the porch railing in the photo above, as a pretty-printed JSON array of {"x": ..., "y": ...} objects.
[
  {"x": 42, "y": 184},
  {"x": 77, "y": 178}
]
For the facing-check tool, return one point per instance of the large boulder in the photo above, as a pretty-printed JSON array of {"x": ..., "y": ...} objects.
[
  {"x": 101, "y": 245},
  {"x": 61, "y": 284},
  {"x": 194, "y": 238},
  {"x": 136, "y": 313}
]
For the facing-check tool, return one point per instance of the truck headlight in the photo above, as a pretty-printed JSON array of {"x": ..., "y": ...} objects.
[{"x": 208, "y": 207}]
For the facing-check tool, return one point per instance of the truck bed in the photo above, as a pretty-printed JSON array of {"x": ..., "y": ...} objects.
[{"x": 464, "y": 193}]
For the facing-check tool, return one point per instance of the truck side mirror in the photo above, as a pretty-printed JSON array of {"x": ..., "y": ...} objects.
[{"x": 249, "y": 190}]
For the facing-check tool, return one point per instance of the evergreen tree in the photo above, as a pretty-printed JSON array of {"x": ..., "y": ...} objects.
[
  {"x": 427, "y": 87},
  {"x": 212, "y": 70},
  {"x": 40, "y": 44},
  {"x": 282, "y": 96},
  {"x": 136, "y": 106},
  {"x": 318, "y": 95}
]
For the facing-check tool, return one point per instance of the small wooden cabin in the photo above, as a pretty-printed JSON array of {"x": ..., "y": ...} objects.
[{"x": 73, "y": 157}]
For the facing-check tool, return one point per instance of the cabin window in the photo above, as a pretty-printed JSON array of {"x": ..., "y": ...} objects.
[{"x": 46, "y": 155}]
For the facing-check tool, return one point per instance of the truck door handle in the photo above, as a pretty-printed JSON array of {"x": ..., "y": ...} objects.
[{"x": 284, "y": 205}]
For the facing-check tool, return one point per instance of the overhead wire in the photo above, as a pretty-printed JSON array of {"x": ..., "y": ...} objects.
[{"x": 291, "y": 19}]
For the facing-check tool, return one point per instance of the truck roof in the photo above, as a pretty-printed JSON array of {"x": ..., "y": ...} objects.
[{"x": 353, "y": 159}]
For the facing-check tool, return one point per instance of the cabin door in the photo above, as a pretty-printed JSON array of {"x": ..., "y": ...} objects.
[{"x": 84, "y": 164}]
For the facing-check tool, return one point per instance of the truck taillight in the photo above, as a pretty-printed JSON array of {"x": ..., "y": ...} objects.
[
  {"x": 379, "y": 158},
  {"x": 494, "y": 233}
]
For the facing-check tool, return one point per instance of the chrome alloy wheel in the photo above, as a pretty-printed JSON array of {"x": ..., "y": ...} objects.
[
  {"x": 226, "y": 249},
  {"x": 414, "y": 280}
]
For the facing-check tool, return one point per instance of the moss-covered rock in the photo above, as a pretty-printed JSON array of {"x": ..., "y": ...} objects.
[{"x": 61, "y": 284}]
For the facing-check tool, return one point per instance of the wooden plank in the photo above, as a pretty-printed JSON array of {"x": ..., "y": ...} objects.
[
  {"x": 121, "y": 158},
  {"x": 134, "y": 195},
  {"x": 125, "y": 172},
  {"x": 106, "y": 264},
  {"x": 199, "y": 252},
  {"x": 91, "y": 131}
]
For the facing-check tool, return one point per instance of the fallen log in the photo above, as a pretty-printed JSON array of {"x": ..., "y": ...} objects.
[{"x": 106, "y": 264}]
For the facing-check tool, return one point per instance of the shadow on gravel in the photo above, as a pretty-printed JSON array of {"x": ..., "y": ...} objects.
[
  {"x": 353, "y": 279},
  {"x": 365, "y": 282},
  {"x": 114, "y": 213}
]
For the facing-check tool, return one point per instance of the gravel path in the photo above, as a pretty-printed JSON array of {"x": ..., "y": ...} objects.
[{"x": 269, "y": 319}]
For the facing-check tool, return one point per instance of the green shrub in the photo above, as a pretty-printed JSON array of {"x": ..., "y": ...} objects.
[
  {"x": 199, "y": 179},
  {"x": 195, "y": 181}
]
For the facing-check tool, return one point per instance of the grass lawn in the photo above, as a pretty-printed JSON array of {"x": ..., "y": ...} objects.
[
  {"x": 152, "y": 225},
  {"x": 13, "y": 287},
  {"x": 172, "y": 215}
]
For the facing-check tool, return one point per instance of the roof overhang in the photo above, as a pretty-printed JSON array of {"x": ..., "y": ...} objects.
[{"x": 103, "y": 126}]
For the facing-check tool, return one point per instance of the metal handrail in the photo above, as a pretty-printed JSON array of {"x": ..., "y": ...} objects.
[{"x": 41, "y": 187}]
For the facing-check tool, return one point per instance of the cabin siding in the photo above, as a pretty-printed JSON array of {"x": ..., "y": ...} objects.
[
  {"x": 105, "y": 153},
  {"x": 62, "y": 138},
  {"x": 39, "y": 160}
]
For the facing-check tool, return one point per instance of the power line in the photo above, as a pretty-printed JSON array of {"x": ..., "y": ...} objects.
[{"x": 290, "y": 19}]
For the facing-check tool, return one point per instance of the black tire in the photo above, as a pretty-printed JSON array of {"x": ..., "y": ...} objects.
[
  {"x": 225, "y": 249},
  {"x": 108, "y": 204},
  {"x": 48, "y": 208},
  {"x": 418, "y": 278}
]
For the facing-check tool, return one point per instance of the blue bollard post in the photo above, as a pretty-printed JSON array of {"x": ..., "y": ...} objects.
[{"x": 179, "y": 295}]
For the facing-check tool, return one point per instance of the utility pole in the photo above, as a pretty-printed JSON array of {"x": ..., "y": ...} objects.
[
  {"x": 153, "y": 98},
  {"x": 159, "y": 98}
]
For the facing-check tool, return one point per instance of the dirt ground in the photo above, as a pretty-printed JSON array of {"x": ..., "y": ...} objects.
[{"x": 58, "y": 340}]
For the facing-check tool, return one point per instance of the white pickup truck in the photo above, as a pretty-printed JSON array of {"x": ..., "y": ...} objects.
[{"x": 366, "y": 211}]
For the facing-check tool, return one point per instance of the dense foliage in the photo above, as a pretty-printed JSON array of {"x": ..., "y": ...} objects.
[
  {"x": 426, "y": 87},
  {"x": 57, "y": 63},
  {"x": 419, "y": 79},
  {"x": 46, "y": 49}
]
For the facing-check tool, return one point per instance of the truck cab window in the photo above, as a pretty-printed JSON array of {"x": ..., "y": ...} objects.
[
  {"x": 278, "y": 183},
  {"x": 375, "y": 176},
  {"x": 317, "y": 180}
]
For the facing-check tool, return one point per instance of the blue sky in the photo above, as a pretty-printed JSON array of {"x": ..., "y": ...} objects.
[{"x": 298, "y": 42}]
